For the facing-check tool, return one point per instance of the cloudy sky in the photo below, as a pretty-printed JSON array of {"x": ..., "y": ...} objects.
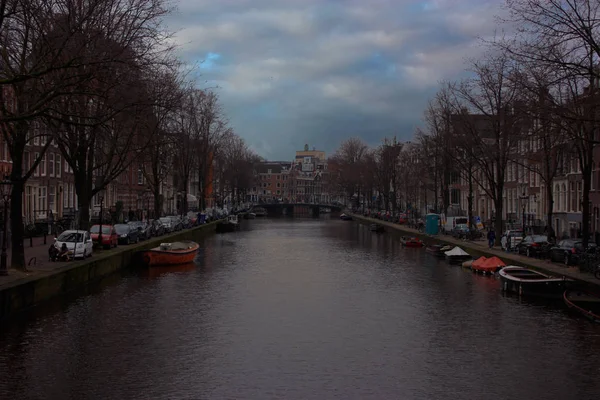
[{"x": 291, "y": 72}]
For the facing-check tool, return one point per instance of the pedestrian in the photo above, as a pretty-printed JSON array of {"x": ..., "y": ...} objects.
[
  {"x": 50, "y": 221},
  {"x": 491, "y": 236}
]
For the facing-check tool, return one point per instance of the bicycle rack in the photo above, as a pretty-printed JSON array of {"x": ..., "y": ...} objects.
[{"x": 34, "y": 259}]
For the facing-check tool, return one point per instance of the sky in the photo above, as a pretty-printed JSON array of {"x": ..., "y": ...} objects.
[{"x": 316, "y": 72}]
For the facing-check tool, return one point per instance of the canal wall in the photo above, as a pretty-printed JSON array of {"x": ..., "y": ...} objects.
[
  {"x": 26, "y": 292},
  {"x": 480, "y": 248}
]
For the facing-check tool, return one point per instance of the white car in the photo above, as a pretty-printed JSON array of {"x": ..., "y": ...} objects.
[{"x": 79, "y": 242}]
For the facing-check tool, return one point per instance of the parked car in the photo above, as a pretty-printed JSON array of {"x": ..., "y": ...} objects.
[
  {"x": 167, "y": 223},
  {"x": 460, "y": 231},
  {"x": 127, "y": 234},
  {"x": 156, "y": 228},
  {"x": 109, "y": 236},
  {"x": 143, "y": 229},
  {"x": 534, "y": 246},
  {"x": 569, "y": 251},
  {"x": 512, "y": 237},
  {"x": 176, "y": 223},
  {"x": 449, "y": 223},
  {"x": 78, "y": 242}
]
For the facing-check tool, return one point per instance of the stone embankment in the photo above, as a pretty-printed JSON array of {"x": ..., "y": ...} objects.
[
  {"x": 480, "y": 248},
  {"x": 19, "y": 291}
]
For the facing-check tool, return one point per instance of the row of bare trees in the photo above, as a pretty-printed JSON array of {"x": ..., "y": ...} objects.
[
  {"x": 99, "y": 79},
  {"x": 532, "y": 100}
]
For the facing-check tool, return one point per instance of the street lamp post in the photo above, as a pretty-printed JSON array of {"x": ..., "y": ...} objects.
[
  {"x": 101, "y": 211},
  {"x": 5, "y": 187}
]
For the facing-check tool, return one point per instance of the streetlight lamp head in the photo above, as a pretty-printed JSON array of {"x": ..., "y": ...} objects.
[{"x": 5, "y": 188}]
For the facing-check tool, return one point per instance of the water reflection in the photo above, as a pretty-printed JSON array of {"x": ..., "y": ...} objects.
[{"x": 300, "y": 309}]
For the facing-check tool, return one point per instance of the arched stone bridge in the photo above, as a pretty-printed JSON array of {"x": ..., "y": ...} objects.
[{"x": 297, "y": 208}]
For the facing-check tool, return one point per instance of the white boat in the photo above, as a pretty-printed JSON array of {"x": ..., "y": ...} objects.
[
  {"x": 457, "y": 256},
  {"x": 233, "y": 219}
]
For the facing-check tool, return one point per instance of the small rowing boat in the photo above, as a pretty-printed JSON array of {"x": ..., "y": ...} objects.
[
  {"x": 438, "y": 250},
  {"x": 487, "y": 265},
  {"x": 584, "y": 303},
  {"x": 411, "y": 241},
  {"x": 457, "y": 256},
  {"x": 175, "y": 253},
  {"x": 526, "y": 281}
]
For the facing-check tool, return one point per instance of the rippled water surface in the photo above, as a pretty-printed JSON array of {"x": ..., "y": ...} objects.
[{"x": 300, "y": 309}]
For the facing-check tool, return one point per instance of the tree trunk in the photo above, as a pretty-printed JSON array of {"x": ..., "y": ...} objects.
[
  {"x": 82, "y": 188},
  {"x": 470, "y": 200},
  {"x": 17, "y": 258},
  {"x": 157, "y": 203},
  {"x": 550, "y": 197},
  {"x": 498, "y": 223},
  {"x": 585, "y": 215}
]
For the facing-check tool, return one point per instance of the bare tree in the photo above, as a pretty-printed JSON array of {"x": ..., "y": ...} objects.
[
  {"x": 387, "y": 157},
  {"x": 563, "y": 35},
  {"x": 349, "y": 158},
  {"x": 46, "y": 59},
  {"x": 491, "y": 122}
]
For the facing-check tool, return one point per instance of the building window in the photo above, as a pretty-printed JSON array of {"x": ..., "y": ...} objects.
[
  {"x": 51, "y": 198},
  {"x": 268, "y": 171},
  {"x": 58, "y": 165},
  {"x": 72, "y": 195},
  {"x": 579, "y": 197},
  {"x": 278, "y": 184},
  {"x": 43, "y": 166},
  {"x": 66, "y": 195},
  {"x": 455, "y": 196},
  {"x": 42, "y": 199},
  {"x": 36, "y": 172},
  {"x": 51, "y": 164},
  {"x": 140, "y": 175},
  {"x": 66, "y": 167}
]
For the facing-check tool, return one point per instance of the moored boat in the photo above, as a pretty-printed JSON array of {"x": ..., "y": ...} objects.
[
  {"x": 457, "y": 256},
  {"x": 487, "y": 265},
  {"x": 175, "y": 253},
  {"x": 346, "y": 217},
  {"x": 377, "y": 228},
  {"x": 584, "y": 303},
  {"x": 411, "y": 241},
  {"x": 467, "y": 264},
  {"x": 528, "y": 282},
  {"x": 249, "y": 215},
  {"x": 259, "y": 212},
  {"x": 438, "y": 250},
  {"x": 231, "y": 224}
]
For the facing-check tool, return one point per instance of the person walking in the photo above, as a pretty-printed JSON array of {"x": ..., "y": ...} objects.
[
  {"x": 50, "y": 221},
  {"x": 491, "y": 236}
]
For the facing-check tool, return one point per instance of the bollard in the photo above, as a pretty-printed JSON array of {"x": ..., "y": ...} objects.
[
  {"x": 30, "y": 241},
  {"x": 44, "y": 237}
]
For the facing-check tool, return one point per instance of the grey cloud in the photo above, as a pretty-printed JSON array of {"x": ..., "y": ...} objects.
[{"x": 313, "y": 71}]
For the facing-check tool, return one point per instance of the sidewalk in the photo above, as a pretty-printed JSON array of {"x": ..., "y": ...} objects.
[
  {"x": 36, "y": 256},
  {"x": 481, "y": 246}
]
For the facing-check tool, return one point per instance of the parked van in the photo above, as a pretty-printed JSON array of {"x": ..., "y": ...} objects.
[{"x": 450, "y": 222}]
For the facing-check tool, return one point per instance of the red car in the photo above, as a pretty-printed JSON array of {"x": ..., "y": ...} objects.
[{"x": 109, "y": 235}]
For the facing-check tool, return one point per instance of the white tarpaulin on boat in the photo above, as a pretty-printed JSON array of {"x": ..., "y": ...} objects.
[{"x": 457, "y": 251}]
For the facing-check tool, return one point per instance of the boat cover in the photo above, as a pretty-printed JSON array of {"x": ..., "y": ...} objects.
[
  {"x": 487, "y": 264},
  {"x": 457, "y": 251}
]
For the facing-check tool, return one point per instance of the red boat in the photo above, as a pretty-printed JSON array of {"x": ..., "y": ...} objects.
[
  {"x": 487, "y": 265},
  {"x": 171, "y": 253},
  {"x": 586, "y": 304},
  {"x": 411, "y": 242}
]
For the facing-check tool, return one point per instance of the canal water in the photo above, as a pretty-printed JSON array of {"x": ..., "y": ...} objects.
[{"x": 300, "y": 309}]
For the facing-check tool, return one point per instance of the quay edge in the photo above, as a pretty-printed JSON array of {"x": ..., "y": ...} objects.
[
  {"x": 482, "y": 250},
  {"x": 25, "y": 293}
]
